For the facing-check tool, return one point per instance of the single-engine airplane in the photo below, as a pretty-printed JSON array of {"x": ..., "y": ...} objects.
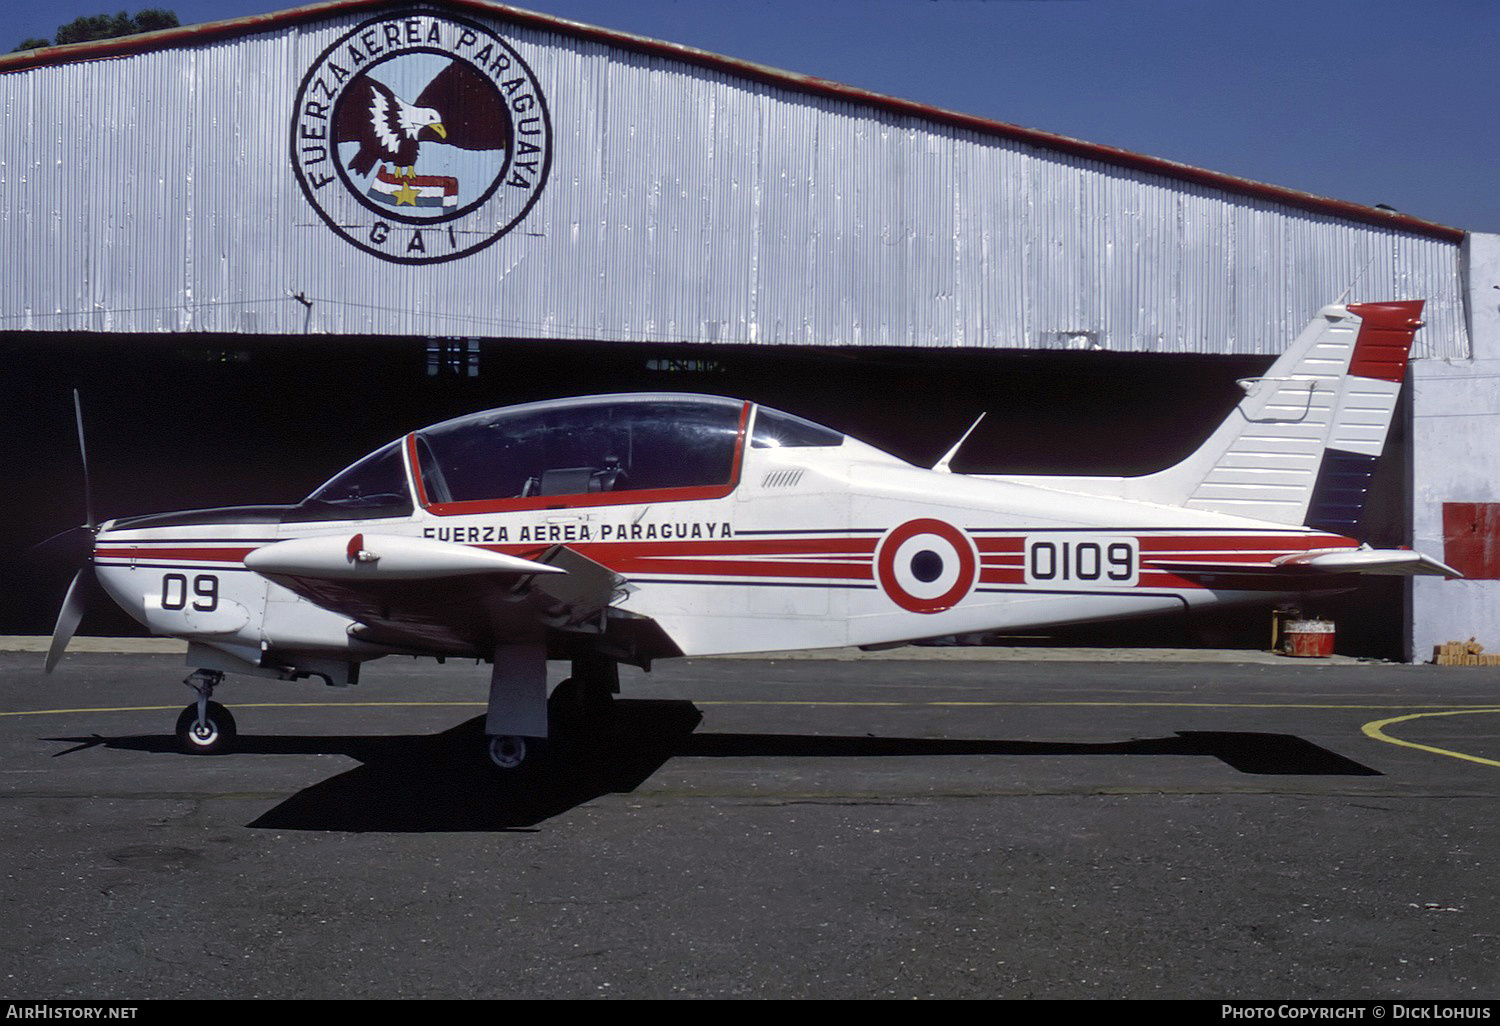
[{"x": 630, "y": 528}]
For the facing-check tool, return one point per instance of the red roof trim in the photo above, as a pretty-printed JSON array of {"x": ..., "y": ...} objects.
[{"x": 193, "y": 34}]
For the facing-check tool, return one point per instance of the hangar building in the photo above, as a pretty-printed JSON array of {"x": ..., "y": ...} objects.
[{"x": 211, "y": 247}]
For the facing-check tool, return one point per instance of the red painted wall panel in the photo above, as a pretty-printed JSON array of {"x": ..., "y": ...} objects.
[{"x": 1471, "y": 539}]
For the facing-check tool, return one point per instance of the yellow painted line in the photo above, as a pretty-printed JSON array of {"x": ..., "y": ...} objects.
[
  {"x": 1126, "y": 705},
  {"x": 1376, "y": 730},
  {"x": 239, "y": 705},
  {"x": 1450, "y": 709}
]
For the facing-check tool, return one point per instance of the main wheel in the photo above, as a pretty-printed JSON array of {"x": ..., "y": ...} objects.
[
  {"x": 576, "y": 703},
  {"x": 508, "y": 751},
  {"x": 214, "y": 735}
]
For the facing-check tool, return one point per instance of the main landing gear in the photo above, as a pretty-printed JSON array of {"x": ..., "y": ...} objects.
[
  {"x": 581, "y": 703},
  {"x": 205, "y": 727}
]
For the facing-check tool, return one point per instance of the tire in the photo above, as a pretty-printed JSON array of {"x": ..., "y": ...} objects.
[
  {"x": 575, "y": 704},
  {"x": 216, "y": 737},
  {"x": 515, "y": 757},
  {"x": 507, "y": 752}
]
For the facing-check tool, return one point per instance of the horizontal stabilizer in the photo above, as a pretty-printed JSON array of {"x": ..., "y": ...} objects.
[
  {"x": 1387, "y": 562},
  {"x": 1392, "y": 562},
  {"x": 377, "y": 557}
]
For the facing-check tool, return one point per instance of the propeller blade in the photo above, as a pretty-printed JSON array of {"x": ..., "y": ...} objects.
[
  {"x": 70, "y": 614},
  {"x": 72, "y": 547},
  {"x": 83, "y": 453}
]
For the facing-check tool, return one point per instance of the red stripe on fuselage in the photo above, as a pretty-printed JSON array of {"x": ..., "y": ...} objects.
[
  {"x": 731, "y": 547},
  {"x": 235, "y": 555},
  {"x": 744, "y": 568},
  {"x": 708, "y": 558},
  {"x": 1280, "y": 544}
]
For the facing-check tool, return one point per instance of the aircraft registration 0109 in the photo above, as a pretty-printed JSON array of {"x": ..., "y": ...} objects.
[{"x": 1066, "y": 558}]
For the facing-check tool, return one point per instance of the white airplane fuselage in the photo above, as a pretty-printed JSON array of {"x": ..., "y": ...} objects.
[{"x": 810, "y": 548}]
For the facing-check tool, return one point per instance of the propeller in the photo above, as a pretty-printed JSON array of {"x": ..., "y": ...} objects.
[
  {"x": 79, "y": 593},
  {"x": 70, "y": 547},
  {"x": 85, "y": 584}
]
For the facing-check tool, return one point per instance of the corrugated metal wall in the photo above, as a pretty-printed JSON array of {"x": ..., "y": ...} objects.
[{"x": 155, "y": 193}]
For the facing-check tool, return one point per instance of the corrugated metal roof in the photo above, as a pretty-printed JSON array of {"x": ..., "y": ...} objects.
[
  {"x": 687, "y": 200},
  {"x": 192, "y": 35}
]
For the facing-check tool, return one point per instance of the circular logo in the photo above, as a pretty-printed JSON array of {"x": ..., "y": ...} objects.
[
  {"x": 926, "y": 566},
  {"x": 420, "y": 137}
]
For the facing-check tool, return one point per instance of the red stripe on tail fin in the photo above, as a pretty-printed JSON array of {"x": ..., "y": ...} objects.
[{"x": 1385, "y": 337}]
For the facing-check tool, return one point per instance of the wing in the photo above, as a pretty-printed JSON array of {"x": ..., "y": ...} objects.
[
  {"x": 473, "y": 113},
  {"x": 444, "y": 598}
]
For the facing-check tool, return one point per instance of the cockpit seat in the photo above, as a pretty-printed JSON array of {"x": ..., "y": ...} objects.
[
  {"x": 579, "y": 480},
  {"x": 569, "y": 481}
]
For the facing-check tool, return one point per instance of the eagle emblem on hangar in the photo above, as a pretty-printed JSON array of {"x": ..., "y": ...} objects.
[
  {"x": 385, "y": 136},
  {"x": 421, "y": 137}
]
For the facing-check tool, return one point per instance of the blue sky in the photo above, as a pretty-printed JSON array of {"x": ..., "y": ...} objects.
[{"x": 1371, "y": 101}]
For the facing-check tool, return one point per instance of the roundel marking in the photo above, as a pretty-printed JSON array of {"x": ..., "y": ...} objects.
[{"x": 926, "y": 566}]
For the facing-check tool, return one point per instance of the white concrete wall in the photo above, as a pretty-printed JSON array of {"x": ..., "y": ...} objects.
[{"x": 1456, "y": 456}]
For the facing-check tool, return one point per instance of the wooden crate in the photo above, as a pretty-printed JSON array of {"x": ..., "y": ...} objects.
[{"x": 1463, "y": 653}]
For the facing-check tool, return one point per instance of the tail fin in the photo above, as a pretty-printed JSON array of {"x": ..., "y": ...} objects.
[
  {"x": 1300, "y": 448},
  {"x": 1368, "y": 393}
]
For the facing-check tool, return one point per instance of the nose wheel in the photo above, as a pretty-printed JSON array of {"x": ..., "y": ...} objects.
[
  {"x": 205, "y": 727},
  {"x": 212, "y": 733}
]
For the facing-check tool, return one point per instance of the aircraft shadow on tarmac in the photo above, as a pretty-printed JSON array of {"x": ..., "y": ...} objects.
[{"x": 444, "y": 782}]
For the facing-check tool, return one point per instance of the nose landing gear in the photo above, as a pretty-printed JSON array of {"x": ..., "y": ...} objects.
[{"x": 205, "y": 727}]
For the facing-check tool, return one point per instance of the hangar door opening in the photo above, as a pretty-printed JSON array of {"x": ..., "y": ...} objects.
[{"x": 182, "y": 422}]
